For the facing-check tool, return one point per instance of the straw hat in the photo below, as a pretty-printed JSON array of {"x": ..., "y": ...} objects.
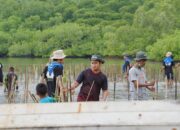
[
  {"x": 59, "y": 54},
  {"x": 168, "y": 54}
]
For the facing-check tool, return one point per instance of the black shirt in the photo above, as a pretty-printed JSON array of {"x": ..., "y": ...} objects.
[
  {"x": 168, "y": 68},
  {"x": 51, "y": 82},
  {"x": 57, "y": 71},
  {"x": 126, "y": 66},
  {"x": 87, "y": 77}
]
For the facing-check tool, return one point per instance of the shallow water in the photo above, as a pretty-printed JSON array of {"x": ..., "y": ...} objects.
[{"x": 29, "y": 70}]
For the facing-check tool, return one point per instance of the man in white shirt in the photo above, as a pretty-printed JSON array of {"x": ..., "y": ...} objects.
[{"x": 137, "y": 79}]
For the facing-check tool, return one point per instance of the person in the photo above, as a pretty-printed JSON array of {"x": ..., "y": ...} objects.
[
  {"x": 11, "y": 80},
  {"x": 43, "y": 78},
  {"x": 168, "y": 64},
  {"x": 126, "y": 66},
  {"x": 137, "y": 79},
  {"x": 41, "y": 91},
  {"x": 1, "y": 74},
  {"x": 53, "y": 70},
  {"x": 93, "y": 81}
]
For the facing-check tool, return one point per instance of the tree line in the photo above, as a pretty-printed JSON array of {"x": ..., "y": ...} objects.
[{"x": 82, "y": 27}]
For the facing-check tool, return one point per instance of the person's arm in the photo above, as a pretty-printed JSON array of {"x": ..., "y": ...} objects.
[
  {"x": 105, "y": 89},
  {"x": 136, "y": 84},
  {"x": 105, "y": 95},
  {"x": 76, "y": 83},
  {"x": 149, "y": 86},
  {"x": 134, "y": 79},
  {"x": 43, "y": 75}
]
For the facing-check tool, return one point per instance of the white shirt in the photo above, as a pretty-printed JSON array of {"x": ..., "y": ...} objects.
[{"x": 137, "y": 74}]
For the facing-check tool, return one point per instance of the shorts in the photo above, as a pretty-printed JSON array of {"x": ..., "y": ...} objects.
[
  {"x": 83, "y": 98},
  {"x": 169, "y": 76}
]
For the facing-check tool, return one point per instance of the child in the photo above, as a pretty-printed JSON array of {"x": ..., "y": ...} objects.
[
  {"x": 41, "y": 90},
  {"x": 11, "y": 80}
]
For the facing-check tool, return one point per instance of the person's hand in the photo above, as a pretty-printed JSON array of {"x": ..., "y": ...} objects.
[
  {"x": 126, "y": 76},
  {"x": 151, "y": 88},
  {"x": 65, "y": 90},
  {"x": 151, "y": 83},
  {"x": 72, "y": 90}
]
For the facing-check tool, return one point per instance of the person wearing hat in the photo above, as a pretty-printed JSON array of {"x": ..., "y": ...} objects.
[
  {"x": 53, "y": 70},
  {"x": 168, "y": 64},
  {"x": 126, "y": 66},
  {"x": 93, "y": 81},
  {"x": 137, "y": 78}
]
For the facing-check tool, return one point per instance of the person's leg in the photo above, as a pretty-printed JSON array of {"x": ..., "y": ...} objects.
[
  {"x": 167, "y": 85},
  {"x": 53, "y": 89},
  {"x": 17, "y": 87},
  {"x": 171, "y": 80},
  {"x": 168, "y": 79},
  {"x": 49, "y": 85}
]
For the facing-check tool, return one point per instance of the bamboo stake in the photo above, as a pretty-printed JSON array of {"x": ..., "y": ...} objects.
[
  {"x": 175, "y": 79},
  {"x": 166, "y": 88},
  {"x": 33, "y": 97},
  {"x": 114, "y": 84},
  {"x": 137, "y": 93},
  {"x": 70, "y": 94},
  {"x": 60, "y": 84},
  {"x": 90, "y": 91}
]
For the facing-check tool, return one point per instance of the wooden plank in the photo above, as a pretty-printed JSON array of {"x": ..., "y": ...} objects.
[
  {"x": 89, "y": 107},
  {"x": 102, "y": 115}
]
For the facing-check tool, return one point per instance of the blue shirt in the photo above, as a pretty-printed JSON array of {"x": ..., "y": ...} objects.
[{"x": 47, "y": 99}]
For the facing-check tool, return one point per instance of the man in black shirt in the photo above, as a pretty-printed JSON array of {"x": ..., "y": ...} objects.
[
  {"x": 93, "y": 81},
  {"x": 53, "y": 70}
]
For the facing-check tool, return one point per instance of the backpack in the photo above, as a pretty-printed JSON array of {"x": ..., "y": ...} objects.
[
  {"x": 168, "y": 61},
  {"x": 51, "y": 66}
]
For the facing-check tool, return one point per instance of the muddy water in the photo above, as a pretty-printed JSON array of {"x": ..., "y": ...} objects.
[{"x": 29, "y": 70}]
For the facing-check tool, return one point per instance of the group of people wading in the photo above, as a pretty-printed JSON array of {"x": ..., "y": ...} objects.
[
  {"x": 92, "y": 79},
  {"x": 138, "y": 84}
]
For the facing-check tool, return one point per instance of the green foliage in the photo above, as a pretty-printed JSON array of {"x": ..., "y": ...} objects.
[
  {"x": 165, "y": 44},
  {"x": 84, "y": 27}
]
